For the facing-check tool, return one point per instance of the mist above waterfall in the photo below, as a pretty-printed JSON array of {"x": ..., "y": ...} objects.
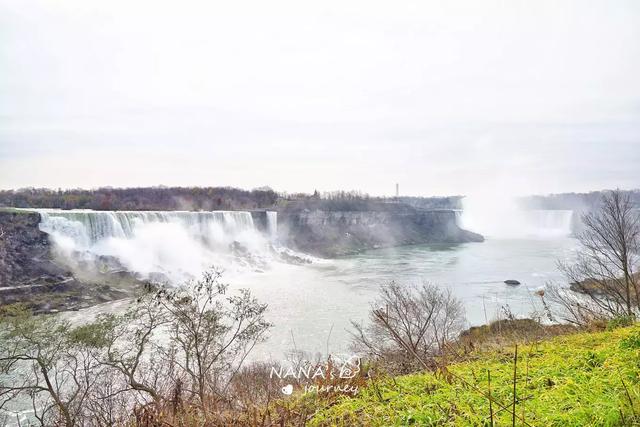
[
  {"x": 167, "y": 246},
  {"x": 502, "y": 216}
]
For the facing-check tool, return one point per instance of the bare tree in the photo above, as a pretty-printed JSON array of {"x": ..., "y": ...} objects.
[
  {"x": 605, "y": 272},
  {"x": 211, "y": 334},
  {"x": 172, "y": 345},
  {"x": 409, "y": 325},
  {"x": 41, "y": 362},
  {"x": 129, "y": 342}
]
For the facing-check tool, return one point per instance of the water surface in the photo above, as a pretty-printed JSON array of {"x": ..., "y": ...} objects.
[{"x": 312, "y": 305}]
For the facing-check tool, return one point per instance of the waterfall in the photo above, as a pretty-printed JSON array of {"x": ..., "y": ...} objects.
[
  {"x": 550, "y": 222},
  {"x": 272, "y": 224},
  {"x": 505, "y": 218},
  {"x": 177, "y": 244}
]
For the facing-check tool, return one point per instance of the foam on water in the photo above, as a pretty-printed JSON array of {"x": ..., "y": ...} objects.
[{"x": 177, "y": 244}]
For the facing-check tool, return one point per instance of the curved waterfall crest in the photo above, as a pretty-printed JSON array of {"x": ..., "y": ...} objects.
[{"x": 93, "y": 226}]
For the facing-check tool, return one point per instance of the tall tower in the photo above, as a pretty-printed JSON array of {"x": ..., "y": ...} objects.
[{"x": 397, "y": 190}]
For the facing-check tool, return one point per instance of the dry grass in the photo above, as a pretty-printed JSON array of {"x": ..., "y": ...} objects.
[{"x": 256, "y": 399}]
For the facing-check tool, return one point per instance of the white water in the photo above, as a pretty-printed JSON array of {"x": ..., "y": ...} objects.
[
  {"x": 178, "y": 245},
  {"x": 504, "y": 218},
  {"x": 272, "y": 224},
  {"x": 550, "y": 222}
]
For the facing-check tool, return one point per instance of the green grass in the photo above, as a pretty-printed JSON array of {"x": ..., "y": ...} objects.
[{"x": 571, "y": 380}]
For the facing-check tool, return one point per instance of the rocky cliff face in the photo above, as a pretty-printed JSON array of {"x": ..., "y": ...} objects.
[
  {"x": 30, "y": 274},
  {"x": 25, "y": 256},
  {"x": 332, "y": 233}
]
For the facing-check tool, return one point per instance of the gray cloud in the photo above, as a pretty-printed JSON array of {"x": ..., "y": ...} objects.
[{"x": 443, "y": 97}]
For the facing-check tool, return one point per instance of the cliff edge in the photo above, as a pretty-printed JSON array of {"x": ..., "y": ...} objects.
[{"x": 335, "y": 233}]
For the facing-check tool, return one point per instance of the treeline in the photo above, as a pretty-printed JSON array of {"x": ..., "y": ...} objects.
[
  {"x": 358, "y": 201},
  {"x": 450, "y": 202},
  {"x": 333, "y": 201},
  {"x": 147, "y": 198},
  {"x": 229, "y": 198},
  {"x": 212, "y": 198}
]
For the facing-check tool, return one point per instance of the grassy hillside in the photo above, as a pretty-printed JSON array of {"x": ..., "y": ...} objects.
[{"x": 587, "y": 379}]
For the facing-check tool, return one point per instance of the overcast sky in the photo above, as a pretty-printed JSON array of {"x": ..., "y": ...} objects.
[{"x": 444, "y": 97}]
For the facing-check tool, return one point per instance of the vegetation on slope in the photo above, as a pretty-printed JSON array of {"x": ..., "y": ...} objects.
[{"x": 585, "y": 379}]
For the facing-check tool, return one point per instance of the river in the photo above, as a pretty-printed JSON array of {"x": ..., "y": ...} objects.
[{"x": 312, "y": 305}]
